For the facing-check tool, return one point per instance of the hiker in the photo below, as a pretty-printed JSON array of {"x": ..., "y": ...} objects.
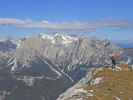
[
  {"x": 114, "y": 57},
  {"x": 113, "y": 61}
]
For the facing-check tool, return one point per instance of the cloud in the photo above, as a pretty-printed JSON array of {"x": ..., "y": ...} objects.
[
  {"x": 66, "y": 26},
  {"x": 11, "y": 21}
]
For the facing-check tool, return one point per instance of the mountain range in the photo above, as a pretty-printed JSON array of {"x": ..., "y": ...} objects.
[{"x": 44, "y": 66}]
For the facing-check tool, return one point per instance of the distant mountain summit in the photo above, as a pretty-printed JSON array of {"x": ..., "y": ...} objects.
[
  {"x": 7, "y": 45},
  {"x": 58, "y": 38}
]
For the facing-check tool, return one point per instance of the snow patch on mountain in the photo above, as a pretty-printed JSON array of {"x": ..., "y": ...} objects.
[{"x": 58, "y": 37}]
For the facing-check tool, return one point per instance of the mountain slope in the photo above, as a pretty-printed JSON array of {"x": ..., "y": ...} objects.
[
  {"x": 42, "y": 67},
  {"x": 105, "y": 84}
]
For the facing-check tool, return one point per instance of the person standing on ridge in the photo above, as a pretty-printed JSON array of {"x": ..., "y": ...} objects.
[{"x": 113, "y": 57}]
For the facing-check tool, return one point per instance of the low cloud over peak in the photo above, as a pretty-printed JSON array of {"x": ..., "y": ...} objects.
[{"x": 66, "y": 26}]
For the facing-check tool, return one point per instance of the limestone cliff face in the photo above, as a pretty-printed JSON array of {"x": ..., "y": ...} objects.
[{"x": 62, "y": 54}]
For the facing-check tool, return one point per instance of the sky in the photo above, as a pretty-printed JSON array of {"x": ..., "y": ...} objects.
[{"x": 110, "y": 19}]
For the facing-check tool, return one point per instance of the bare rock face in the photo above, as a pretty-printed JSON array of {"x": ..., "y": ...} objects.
[{"x": 62, "y": 53}]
